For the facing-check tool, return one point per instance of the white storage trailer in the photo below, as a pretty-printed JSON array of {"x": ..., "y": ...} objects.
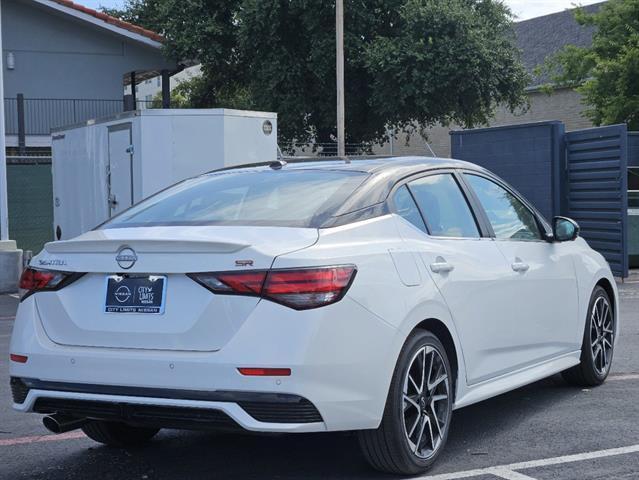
[{"x": 103, "y": 166}]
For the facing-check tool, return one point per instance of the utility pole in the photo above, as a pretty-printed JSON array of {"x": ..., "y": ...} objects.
[
  {"x": 339, "y": 30},
  {"x": 4, "y": 213}
]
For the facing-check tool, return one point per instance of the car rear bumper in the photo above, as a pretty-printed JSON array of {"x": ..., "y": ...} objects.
[
  {"x": 339, "y": 377},
  {"x": 228, "y": 410}
]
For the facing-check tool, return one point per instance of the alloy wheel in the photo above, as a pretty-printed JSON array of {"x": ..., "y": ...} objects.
[
  {"x": 426, "y": 398},
  {"x": 601, "y": 335}
]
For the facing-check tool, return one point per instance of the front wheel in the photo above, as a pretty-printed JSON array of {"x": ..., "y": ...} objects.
[
  {"x": 598, "y": 343},
  {"x": 418, "y": 409}
]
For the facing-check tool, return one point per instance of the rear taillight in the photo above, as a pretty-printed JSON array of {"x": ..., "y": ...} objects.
[
  {"x": 35, "y": 280},
  {"x": 308, "y": 288},
  {"x": 232, "y": 283},
  {"x": 300, "y": 289}
]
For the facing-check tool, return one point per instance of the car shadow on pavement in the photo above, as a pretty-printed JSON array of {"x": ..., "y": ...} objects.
[{"x": 194, "y": 455}]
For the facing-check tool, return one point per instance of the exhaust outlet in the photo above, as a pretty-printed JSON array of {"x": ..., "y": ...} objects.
[{"x": 57, "y": 423}]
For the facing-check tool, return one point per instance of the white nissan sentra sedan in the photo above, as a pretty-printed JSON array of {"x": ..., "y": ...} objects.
[{"x": 375, "y": 295}]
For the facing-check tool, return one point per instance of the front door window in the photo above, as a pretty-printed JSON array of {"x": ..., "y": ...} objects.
[{"x": 510, "y": 218}]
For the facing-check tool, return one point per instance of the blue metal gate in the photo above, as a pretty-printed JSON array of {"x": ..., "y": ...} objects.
[{"x": 596, "y": 192}]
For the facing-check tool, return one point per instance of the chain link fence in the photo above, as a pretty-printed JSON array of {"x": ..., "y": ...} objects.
[
  {"x": 301, "y": 150},
  {"x": 30, "y": 198},
  {"x": 413, "y": 146}
]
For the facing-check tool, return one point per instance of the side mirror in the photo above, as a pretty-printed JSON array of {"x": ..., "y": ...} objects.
[{"x": 564, "y": 229}]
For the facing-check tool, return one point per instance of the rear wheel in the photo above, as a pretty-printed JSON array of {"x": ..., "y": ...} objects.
[
  {"x": 418, "y": 409},
  {"x": 598, "y": 343},
  {"x": 116, "y": 434}
]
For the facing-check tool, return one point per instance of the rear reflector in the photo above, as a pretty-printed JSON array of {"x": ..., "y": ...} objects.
[
  {"x": 18, "y": 358},
  {"x": 265, "y": 372},
  {"x": 300, "y": 289}
]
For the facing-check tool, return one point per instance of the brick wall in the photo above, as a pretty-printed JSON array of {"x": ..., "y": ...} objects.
[{"x": 563, "y": 105}]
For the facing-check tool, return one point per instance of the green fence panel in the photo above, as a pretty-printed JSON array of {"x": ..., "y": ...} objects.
[{"x": 30, "y": 202}]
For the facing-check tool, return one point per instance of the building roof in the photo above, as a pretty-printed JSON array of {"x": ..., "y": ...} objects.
[
  {"x": 541, "y": 37},
  {"x": 102, "y": 19}
]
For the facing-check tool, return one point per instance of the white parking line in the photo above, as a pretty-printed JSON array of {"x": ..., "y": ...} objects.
[
  {"x": 624, "y": 376},
  {"x": 503, "y": 470},
  {"x": 510, "y": 474}
]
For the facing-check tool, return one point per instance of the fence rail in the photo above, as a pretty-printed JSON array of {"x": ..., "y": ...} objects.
[
  {"x": 39, "y": 115},
  {"x": 324, "y": 149}
]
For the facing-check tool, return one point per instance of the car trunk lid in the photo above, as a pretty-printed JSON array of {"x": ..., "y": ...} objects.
[{"x": 193, "y": 318}]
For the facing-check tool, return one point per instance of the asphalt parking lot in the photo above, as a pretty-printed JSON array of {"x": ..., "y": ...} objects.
[{"x": 541, "y": 432}]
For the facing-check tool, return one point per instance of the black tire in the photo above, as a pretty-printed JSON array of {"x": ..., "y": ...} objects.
[
  {"x": 387, "y": 448},
  {"x": 586, "y": 373},
  {"x": 116, "y": 434}
]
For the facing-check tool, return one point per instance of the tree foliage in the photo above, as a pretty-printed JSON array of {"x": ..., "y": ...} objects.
[
  {"x": 139, "y": 12},
  {"x": 407, "y": 61},
  {"x": 607, "y": 72}
]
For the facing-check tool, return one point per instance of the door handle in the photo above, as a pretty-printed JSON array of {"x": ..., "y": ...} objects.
[
  {"x": 441, "y": 266},
  {"x": 519, "y": 266},
  {"x": 113, "y": 203}
]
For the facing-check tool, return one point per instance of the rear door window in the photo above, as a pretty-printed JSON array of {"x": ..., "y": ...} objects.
[
  {"x": 295, "y": 198},
  {"x": 406, "y": 208},
  {"x": 444, "y": 206}
]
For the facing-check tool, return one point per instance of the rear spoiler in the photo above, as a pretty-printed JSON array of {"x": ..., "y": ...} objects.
[{"x": 143, "y": 246}]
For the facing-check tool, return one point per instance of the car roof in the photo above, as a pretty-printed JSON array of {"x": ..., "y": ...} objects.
[
  {"x": 376, "y": 164},
  {"x": 383, "y": 173},
  {"x": 365, "y": 164}
]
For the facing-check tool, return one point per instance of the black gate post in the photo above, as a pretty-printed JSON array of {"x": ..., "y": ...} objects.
[
  {"x": 22, "y": 144},
  {"x": 133, "y": 92},
  {"x": 166, "y": 89}
]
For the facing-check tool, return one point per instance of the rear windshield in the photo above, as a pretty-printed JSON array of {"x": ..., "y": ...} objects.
[{"x": 292, "y": 198}]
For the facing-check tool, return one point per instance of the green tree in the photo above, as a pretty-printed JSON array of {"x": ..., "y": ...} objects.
[
  {"x": 197, "y": 30},
  {"x": 607, "y": 72},
  {"x": 407, "y": 61},
  {"x": 139, "y": 12},
  {"x": 446, "y": 61}
]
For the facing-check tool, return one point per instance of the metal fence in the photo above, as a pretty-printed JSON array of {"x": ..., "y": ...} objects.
[
  {"x": 293, "y": 149},
  {"x": 37, "y": 116},
  {"x": 419, "y": 147}
]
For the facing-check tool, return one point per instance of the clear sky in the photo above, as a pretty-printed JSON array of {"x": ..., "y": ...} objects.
[{"x": 523, "y": 9}]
